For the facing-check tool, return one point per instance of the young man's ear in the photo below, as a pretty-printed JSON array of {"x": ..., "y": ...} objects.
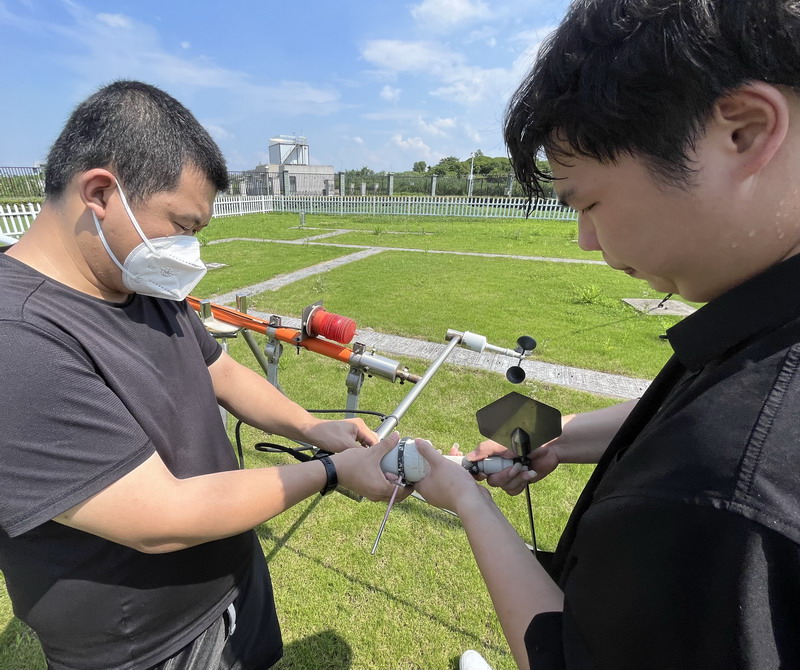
[
  {"x": 95, "y": 186},
  {"x": 754, "y": 120}
]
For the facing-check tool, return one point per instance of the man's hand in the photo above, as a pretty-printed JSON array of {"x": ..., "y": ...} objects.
[
  {"x": 336, "y": 436},
  {"x": 360, "y": 470},
  {"x": 513, "y": 480}
]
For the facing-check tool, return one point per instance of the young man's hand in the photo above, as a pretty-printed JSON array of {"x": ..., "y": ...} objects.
[
  {"x": 514, "y": 479},
  {"x": 448, "y": 485}
]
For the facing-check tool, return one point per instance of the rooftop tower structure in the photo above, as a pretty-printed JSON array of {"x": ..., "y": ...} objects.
[{"x": 288, "y": 150}]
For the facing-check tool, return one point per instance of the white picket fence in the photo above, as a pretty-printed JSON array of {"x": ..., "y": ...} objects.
[
  {"x": 482, "y": 207},
  {"x": 16, "y": 219}
]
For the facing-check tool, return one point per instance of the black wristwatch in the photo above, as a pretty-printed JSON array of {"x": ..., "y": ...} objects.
[{"x": 330, "y": 473}]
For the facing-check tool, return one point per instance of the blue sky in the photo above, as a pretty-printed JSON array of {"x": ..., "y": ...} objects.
[{"x": 367, "y": 82}]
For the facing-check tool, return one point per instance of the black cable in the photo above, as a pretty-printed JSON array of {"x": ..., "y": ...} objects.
[
  {"x": 272, "y": 448},
  {"x": 664, "y": 300},
  {"x": 625, "y": 318},
  {"x": 346, "y": 411},
  {"x": 296, "y": 452},
  {"x": 238, "y": 432}
]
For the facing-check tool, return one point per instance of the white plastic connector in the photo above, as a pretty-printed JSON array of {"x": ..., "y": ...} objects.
[
  {"x": 473, "y": 341},
  {"x": 416, "y": 468}
]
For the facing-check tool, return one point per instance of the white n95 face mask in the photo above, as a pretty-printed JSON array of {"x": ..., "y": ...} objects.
[{"x": 164, "y": 267}]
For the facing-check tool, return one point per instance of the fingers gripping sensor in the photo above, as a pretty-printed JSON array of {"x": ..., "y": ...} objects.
[
  {"x": 406, "y": 462},
  {"x": 487, "y": 466}
]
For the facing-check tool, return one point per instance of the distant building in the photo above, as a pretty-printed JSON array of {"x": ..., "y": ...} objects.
[
  {"x": 288, "y": 150},
  {"x": 288, "y": 171}
]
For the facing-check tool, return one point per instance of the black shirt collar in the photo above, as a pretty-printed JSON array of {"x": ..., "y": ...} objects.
[{"x": 760, "y": 304}]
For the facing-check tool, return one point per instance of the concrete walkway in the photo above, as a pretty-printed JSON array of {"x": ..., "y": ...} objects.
[
  {"x": 290, "y": 277},
  {"x": 602, "y": 383},
  {"x": 580, "y": 379},
  {"x": 307, "y": 241}
]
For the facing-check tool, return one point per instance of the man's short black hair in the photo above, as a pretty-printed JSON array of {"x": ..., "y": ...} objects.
[
  {"x": 141, "y": 134},
  {"x": 641, "y": 77}
]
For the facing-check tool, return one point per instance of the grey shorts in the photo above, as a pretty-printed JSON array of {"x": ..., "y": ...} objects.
[{"x": 207, "y": 651}]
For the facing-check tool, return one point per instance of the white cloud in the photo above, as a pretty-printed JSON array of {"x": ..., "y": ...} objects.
[
  {"x": 218, "y": 132},
  {"x": 400, "y": 56},
  {"x": 459, "y": 82},
  {"x": 474, "y": 85},
  {"x": 390, "y": 94},
  {"x": 115, "y": 20},
  {"x": 529, "y": 41},
  {"x": 186, "y": 45},
  {"x": 486, "y": 33},
  {"x": 133, "y": 49},
  {"x": 437, "y": 126},
  {"x": 415, "y": 146},
  {"x": 474, "y": 136},
  {"x": 442, "y": 15},
  {"x": 355, "y": 139}
]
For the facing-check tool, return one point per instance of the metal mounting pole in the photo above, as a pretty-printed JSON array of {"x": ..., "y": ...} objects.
[
  {"x": 391, "y": 421},
  {"x": 354, "y": 382}
]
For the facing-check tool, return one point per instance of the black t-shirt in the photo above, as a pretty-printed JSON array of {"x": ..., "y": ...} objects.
[
  {"x": 90, "y": 390},
  {"x": 683, "y": 551}
]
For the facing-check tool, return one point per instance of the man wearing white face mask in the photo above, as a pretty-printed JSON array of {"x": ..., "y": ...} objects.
[
  {"x": 166, "y": 267},
  {"x": 126, "y": 533}
]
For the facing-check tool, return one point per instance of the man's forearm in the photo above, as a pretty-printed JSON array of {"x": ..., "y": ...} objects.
[
  {"x": 518, "y": 585},
  {"x": 251, "y": 398},
  {"x": 152, "y": 511},
  {"x": 585, "y": 437},
  {"x": 228, "y": 503}
]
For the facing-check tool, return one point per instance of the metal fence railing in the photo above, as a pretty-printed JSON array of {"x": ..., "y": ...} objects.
[{"x": 21, "y": 182}]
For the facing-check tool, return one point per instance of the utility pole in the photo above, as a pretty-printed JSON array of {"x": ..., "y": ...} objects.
[{"x": 471, "y": 173}]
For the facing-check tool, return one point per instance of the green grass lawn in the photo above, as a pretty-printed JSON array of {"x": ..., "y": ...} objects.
[
  {"x": 519, "y": 237},
  {"x": 419, "y": 602},
  {"x": 502, "y": 236},
  {"x": 574, "y": 311},
  {"x": 278, "y": 226},
  {"x": 251, "y": 262}
]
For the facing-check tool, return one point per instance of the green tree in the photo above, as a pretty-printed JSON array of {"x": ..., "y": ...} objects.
[
  {"x": 451, "y": 165},
  {"x": 420, "y": 166},
  {"x": 363, "y": 173}
]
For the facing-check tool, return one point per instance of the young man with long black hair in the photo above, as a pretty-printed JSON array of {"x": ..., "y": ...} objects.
[{"x": 673, "y": 127}]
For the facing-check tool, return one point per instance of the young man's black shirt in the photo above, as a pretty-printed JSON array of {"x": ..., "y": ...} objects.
[{"x": 683, "y": 550}]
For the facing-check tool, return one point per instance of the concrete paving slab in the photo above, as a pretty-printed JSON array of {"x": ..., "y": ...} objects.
[
  {"x": 657, "y": 308},
  {"x": 601, "y": 383}
]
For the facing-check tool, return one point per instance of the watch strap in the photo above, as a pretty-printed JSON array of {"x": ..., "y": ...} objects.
[{"x": 332, "y": 479}]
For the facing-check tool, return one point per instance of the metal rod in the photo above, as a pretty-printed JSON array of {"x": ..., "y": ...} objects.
[
  {"x": 259, "y": 355},
  {"x": 391, "y": 421},
  {"x": 530, "y": 518},
  {"x": 385, "y": 518}
]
